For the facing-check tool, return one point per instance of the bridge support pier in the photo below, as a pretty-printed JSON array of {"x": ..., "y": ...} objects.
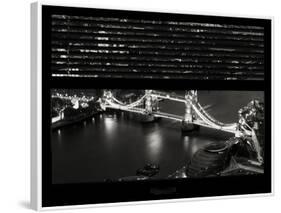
[
  {"x": 148, "y": 118},
  {"x": 189, "y": 127}
]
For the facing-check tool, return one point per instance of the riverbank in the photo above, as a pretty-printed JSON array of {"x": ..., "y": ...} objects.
[{"x": 63, "y": 123}]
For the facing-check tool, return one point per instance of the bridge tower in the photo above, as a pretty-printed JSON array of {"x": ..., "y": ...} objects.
[
  {"x": 189, "y": 116},
  {"x": 75, "y": 103},
  {"x": 148, "y": 101},
  {"x": 149, "y": 105},
  {"x": 106, "y": 95},
  {"x": 61, "y": 113}
]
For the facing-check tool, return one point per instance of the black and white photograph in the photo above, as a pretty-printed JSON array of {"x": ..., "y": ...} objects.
[
  {"x": 140, "y": 106},
  {"x": 130, "y": 135}
]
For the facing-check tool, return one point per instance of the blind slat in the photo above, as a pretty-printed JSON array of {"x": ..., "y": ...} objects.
[{"x": 110, "y": 46}]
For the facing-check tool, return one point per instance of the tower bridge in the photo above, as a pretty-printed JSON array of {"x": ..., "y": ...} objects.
[{"x": 194, "y": 116}]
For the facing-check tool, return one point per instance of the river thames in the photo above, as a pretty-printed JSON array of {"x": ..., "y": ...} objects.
[{"x": 114, "y": 144}]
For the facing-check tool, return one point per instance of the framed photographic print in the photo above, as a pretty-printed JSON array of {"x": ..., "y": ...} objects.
[{"x": 142, "y": 106}]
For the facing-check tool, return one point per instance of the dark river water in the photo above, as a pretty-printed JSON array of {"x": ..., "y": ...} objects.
[{"x": 115, "y": 145}]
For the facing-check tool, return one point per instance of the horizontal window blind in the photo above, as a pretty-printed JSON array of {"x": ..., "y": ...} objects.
[{"x": 140, "y": 48}]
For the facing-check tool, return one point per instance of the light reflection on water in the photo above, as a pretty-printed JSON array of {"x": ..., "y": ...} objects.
[
  {"x": 154, "y": 145},
  {"x": 109, "y": 124},
  {"x": 186, "y": 143}
]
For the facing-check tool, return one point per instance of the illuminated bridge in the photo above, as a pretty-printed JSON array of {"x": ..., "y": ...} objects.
[
  {"x": 195, "y": 114},
  {"x": 148, "y": 105}
]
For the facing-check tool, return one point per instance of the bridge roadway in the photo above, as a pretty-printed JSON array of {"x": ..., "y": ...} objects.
[
  {"x": 206, "y": 121},
  {"x": 170, "y": 116}
]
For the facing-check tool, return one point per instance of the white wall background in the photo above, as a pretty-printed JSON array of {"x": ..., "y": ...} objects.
[{"x": 15, "y": 102}]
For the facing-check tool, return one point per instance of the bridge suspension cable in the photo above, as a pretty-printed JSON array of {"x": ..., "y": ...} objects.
[
  {"x": 212, "y": 122},
  {"x": 117, "y": 101},
  {"x": 131, "y": 105},
  {"x": 118, "y": 106},
  {"x": 212, "y": 118}
]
